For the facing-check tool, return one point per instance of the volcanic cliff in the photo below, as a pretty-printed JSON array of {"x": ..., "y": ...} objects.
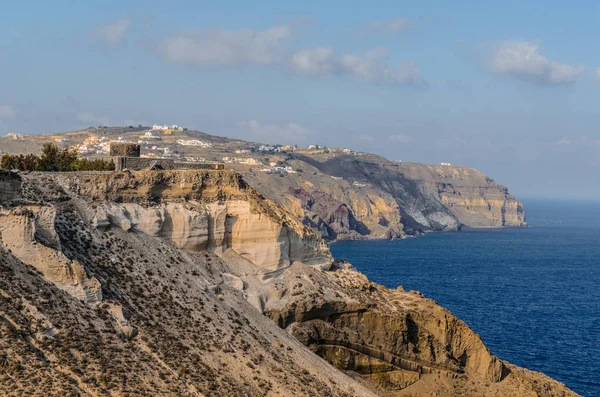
[
  {"x": 337, "y": 192},
  {"x": 365, "y": 196},
  {"x": 191, "y": 283}
]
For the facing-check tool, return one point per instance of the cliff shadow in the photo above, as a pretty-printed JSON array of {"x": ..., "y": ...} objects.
[{"x": 230, "y": 221}]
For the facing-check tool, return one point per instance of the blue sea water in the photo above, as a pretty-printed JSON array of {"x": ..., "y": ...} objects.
[{"x": 533, "y": 294}]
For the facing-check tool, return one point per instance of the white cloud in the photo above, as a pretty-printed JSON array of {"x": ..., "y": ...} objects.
[
  {"x": 315, "y": 61},
  {"x": 7, "y": 112},
  {"x": 89, "y": 117},
  {"x": 521, "y": 59},
  {"x": 276, "y": 133},
  {"x": 366, "y": 137},
  {"x": 372, "y": 66},
  {"x": 394, "y": 25},
  {"x": 267, "y": 47},
  {"x": 219, "y": 47},
  {"x": 112, "y": 33},
  {"x": 400, "y": 138}
]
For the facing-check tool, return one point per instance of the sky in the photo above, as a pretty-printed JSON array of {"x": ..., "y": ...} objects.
[{"x": 511, "y": 88}]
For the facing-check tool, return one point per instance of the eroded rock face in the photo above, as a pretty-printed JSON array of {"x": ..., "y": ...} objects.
[
  {"x": 186, "y": 317},
  {"x": 216, "y": 227},
  {"x": 29, "y": 233},
  {"x": 396, "y": 327},
  {"x": 10, "y": 186},
  {"x": 334, "y": 208},
  {"x": 472, "y": 197},
  {"x": 394, "y": 338},
  {"x": 199, "y": 211},
  {"x": 366, "y": 196},
  {"x": 171, "y": 324}
]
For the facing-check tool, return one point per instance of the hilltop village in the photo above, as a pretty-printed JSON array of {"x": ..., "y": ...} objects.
[{"x": 177, "y": 144}]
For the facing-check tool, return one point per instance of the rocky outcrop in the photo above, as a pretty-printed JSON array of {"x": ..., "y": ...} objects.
[
  {"x": 190, "y": 283},
  {"x": 398, "y": 340},
  {"x": 472, "y": 197},
  {"x": 10, "y": 186},
  {"x": 201, "y": 211},
  {"x": 362, "y": 196},
  {"x": 333, "y": 207},
  {"x": 29, "y": 234},
  {"x": 399, "y": 328}
]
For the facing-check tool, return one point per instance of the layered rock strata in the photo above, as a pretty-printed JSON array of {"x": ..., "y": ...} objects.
[
  {"x": 190, "y": 283},
  {"x": 364, "y": 197},
  {"x": 202, "y": 210}
]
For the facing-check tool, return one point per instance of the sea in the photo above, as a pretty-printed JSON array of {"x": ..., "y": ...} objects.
[{"x": 532, "y": 294}]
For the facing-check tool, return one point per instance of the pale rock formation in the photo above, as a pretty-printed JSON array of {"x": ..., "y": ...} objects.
[
  {"x": 184, "y": 256},
  {"x": 234, "y": 281},
  {"x": 121, "y": 318},
  {"x": 471, "y": 196},
  {"x": 30, "y": 235},
  {"x": 264, "y": 236}
]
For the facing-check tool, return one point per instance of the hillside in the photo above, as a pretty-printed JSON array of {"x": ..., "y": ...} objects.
[
  {"x": 190, "y": 283},
  {"x": 340, "y": 194}
]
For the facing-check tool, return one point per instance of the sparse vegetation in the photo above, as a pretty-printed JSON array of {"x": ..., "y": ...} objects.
[{"x": 54, "y": 159}]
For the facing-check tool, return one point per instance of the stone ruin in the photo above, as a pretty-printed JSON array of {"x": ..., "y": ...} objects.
[
  {"x": 128, "y": 156},
  {"x": 125, "y": 150}
]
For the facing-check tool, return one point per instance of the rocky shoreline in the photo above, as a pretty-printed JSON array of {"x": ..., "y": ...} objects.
[{"x": 206, "y": 288}]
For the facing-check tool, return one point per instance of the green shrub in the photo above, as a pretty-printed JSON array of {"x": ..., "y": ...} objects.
[{"x": 54, "y": 159}]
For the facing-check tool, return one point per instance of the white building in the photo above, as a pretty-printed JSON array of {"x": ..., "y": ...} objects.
[
  {"x": 193, "y": 142},
  {"x": 248, "y": 161},
  {"x": 148, "y": 135},
  {"x": 266, "y": 148},
  {"x": 14, "y": 136},
  {"x": 446, "y": 164}
]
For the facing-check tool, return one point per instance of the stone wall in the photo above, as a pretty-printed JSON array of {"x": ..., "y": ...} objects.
[
  {"x": 125, "y": 149},
  {"x": 145, "y": 163}
]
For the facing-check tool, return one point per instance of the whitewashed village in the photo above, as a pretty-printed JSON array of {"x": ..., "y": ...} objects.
[{"x": 163, "y": 141}]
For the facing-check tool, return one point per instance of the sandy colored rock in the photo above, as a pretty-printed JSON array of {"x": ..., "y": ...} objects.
[
  {"x": 207, "y": 288},
  {"x": 28, "y": 232}
]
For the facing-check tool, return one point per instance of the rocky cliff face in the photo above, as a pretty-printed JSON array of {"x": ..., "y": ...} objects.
[
  {"x": 364, "y": 196},
  {"x": 199, "y": 211},
  {"x": 342, "y": 194},
  {"x": 129, "y": 297},
  {"x": 472, "y": 197},
  {"x": 190, "y": 283},
  {"x": 29, "y": 233},
  {"x": 401, "y": 341},
  {"x": 333, "y": 207}
]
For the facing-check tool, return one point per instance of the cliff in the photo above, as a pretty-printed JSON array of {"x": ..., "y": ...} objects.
[
  {"x": 365, "y": 196},
  {"x": 191, "y": 283},
  {"x": 475, "y": 199},
  {"x": 338, "y": 193}
]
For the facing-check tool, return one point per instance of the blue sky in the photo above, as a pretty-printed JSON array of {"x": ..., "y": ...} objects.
[{"x": 509, "y": 88}]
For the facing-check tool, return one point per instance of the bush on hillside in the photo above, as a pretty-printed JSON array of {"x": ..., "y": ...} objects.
[{"x": 54, "y": 159}]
